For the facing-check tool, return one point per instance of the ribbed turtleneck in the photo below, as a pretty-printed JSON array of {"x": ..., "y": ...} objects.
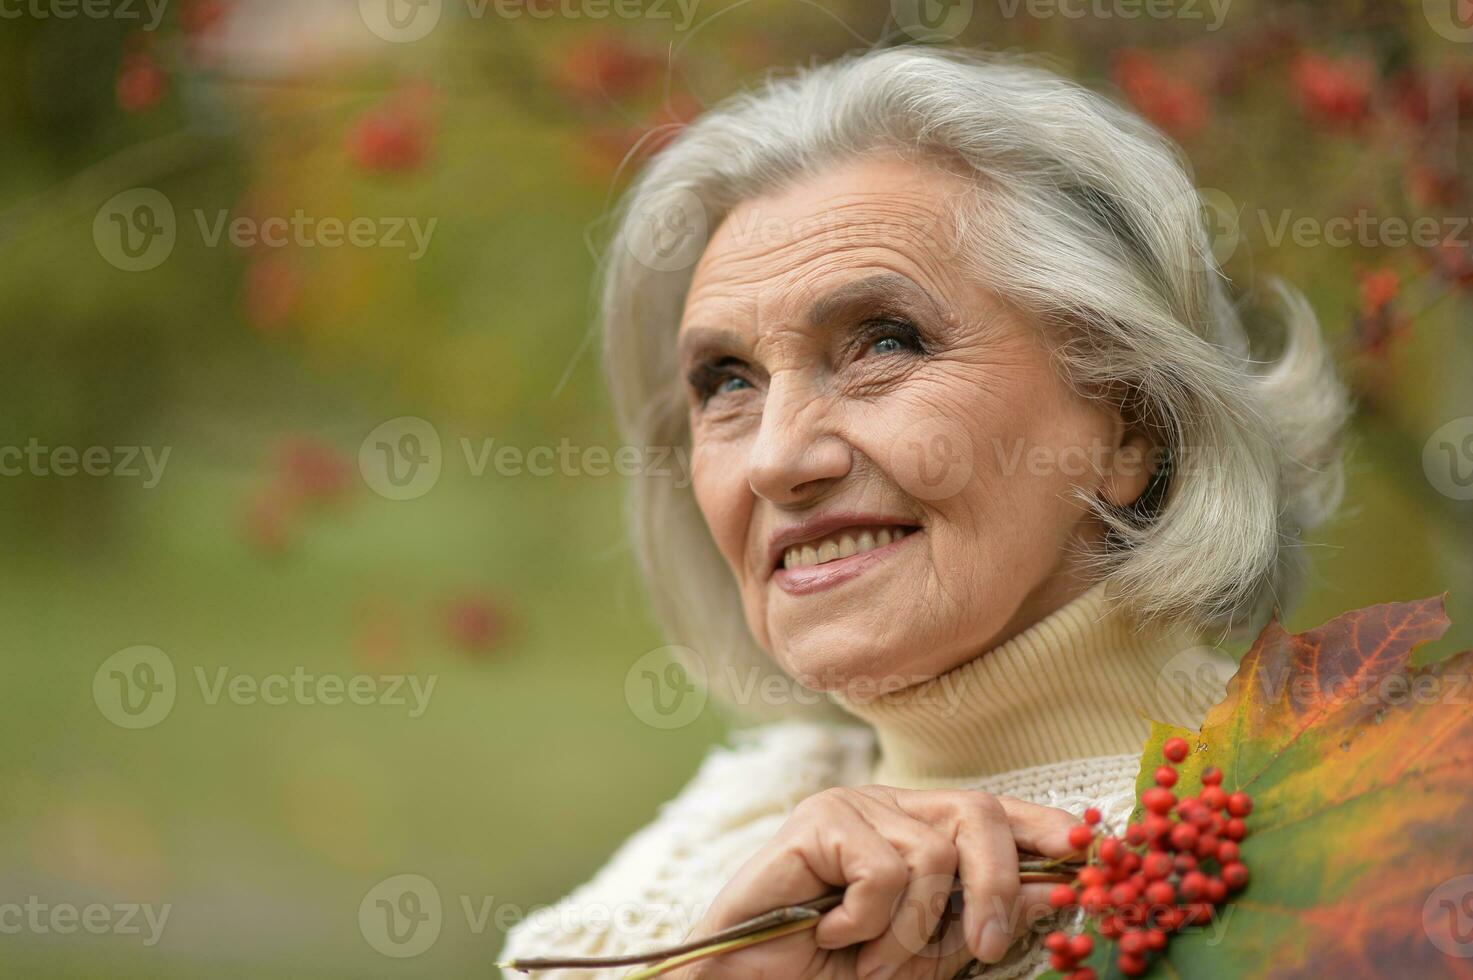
[{"x": 1079, "y": 683}]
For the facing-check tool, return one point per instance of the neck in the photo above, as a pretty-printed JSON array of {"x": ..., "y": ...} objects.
[{"x": 1079, "y": 683}]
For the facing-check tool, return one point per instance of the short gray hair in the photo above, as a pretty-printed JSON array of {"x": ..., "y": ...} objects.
[{"x": 1094, "y": 228}]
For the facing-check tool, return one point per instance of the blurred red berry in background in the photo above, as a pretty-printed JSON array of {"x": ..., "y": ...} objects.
[
  {"x": 1378, "y": 287},
  {"x": 200, "y": 17},
  {"x": 1333, "y": 91},
  {"x": 1378, "y": 323},
  {"x": 395, "y": 135},
  {"x": 602, "y": 68},
  {"x": 1453, "y": 262},
  {"x": 1167, "y": 99},
  {"x": 314, "y": 470},
  {"x": 1430, "y": 186},
  {"x": 475, "y": 624},
  {"x": 140, "y": 84}
]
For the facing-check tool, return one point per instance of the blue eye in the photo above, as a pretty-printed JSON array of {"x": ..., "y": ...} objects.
[
  {"x": 711, "y": 379},
  {"x": 892, "y": 335}
]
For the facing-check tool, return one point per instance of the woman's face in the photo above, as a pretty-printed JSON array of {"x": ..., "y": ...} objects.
[{"x": 883, "y": 452}]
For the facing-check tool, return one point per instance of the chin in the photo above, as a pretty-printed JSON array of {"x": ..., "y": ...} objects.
[{"x": 844, "y": 659}]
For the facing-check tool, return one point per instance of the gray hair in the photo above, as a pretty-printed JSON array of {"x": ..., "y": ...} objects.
[{"x": 1094, "y": 228}]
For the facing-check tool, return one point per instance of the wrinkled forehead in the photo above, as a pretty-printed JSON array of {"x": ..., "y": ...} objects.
[{"x": 777, "y": 256}]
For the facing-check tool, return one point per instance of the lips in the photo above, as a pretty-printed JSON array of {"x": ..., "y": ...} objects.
[
  {"x": 841, "y": 544},
  {"x": 824, "y": 552}
]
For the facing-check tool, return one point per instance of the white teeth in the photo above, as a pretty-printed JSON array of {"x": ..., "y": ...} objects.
[{"x": 843, "y": 545}]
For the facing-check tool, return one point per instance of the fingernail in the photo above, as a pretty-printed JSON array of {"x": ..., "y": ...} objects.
[{"x": 994, "y": 942}]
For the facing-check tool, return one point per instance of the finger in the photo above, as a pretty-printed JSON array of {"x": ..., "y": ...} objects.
[
  {"x": 1037, "y": 828},
  {"x": 987, "y": 863},
  {"x": 1041, "y": 829},
  {"x": 952, "y": 952},
  {"x": 844, "y": 851},
  {"x": 804, "y": 861},
  {"x": 1034, "y": 903},
  {"x": 982, "y": 827},
  {"x": 931, "y": 862},
  {"x": 988, "y": 832}
]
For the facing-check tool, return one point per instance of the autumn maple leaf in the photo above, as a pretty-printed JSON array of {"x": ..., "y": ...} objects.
[{"x": 1360, "y": 766}]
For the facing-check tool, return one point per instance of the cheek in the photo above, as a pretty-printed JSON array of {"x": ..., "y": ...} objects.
[
  {"x": 982, "y": 452},
  {"x": 1034, "y": 455},
  {"x": 720, "y": 487}
]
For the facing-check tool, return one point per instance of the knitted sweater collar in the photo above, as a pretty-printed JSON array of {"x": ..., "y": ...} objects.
[{"x": 1079, "y": 683}]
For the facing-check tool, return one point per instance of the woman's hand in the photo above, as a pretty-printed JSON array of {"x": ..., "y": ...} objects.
[{"x": 897, "y": 854}]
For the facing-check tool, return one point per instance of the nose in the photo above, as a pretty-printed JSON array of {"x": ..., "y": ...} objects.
[{"x": 796, "y": 456}]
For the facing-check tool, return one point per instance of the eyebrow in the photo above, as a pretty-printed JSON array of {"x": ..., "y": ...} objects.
[
  {"x": 882, "y": 288},
  {"x": 869, "y": 291},
  {"x": 701, "y": 339}
]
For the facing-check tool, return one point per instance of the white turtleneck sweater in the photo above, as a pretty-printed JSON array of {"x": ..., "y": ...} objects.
[{"x": 1057, "y": 715}]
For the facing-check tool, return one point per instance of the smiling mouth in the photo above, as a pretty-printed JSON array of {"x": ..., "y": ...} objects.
[{"x": 841, "y": 544}]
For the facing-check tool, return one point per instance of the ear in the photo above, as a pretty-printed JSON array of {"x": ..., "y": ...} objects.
[{"x": 1133, "y": 460}]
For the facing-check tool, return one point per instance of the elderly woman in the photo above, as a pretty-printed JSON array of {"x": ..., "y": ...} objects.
[{"x": 979, "y": 448}]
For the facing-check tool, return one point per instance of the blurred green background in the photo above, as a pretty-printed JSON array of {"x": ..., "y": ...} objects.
[{"x": 261, "y": 370}]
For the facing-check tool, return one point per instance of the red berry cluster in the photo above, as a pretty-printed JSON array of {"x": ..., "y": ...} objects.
[{"x": 1171, "y": 870}]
